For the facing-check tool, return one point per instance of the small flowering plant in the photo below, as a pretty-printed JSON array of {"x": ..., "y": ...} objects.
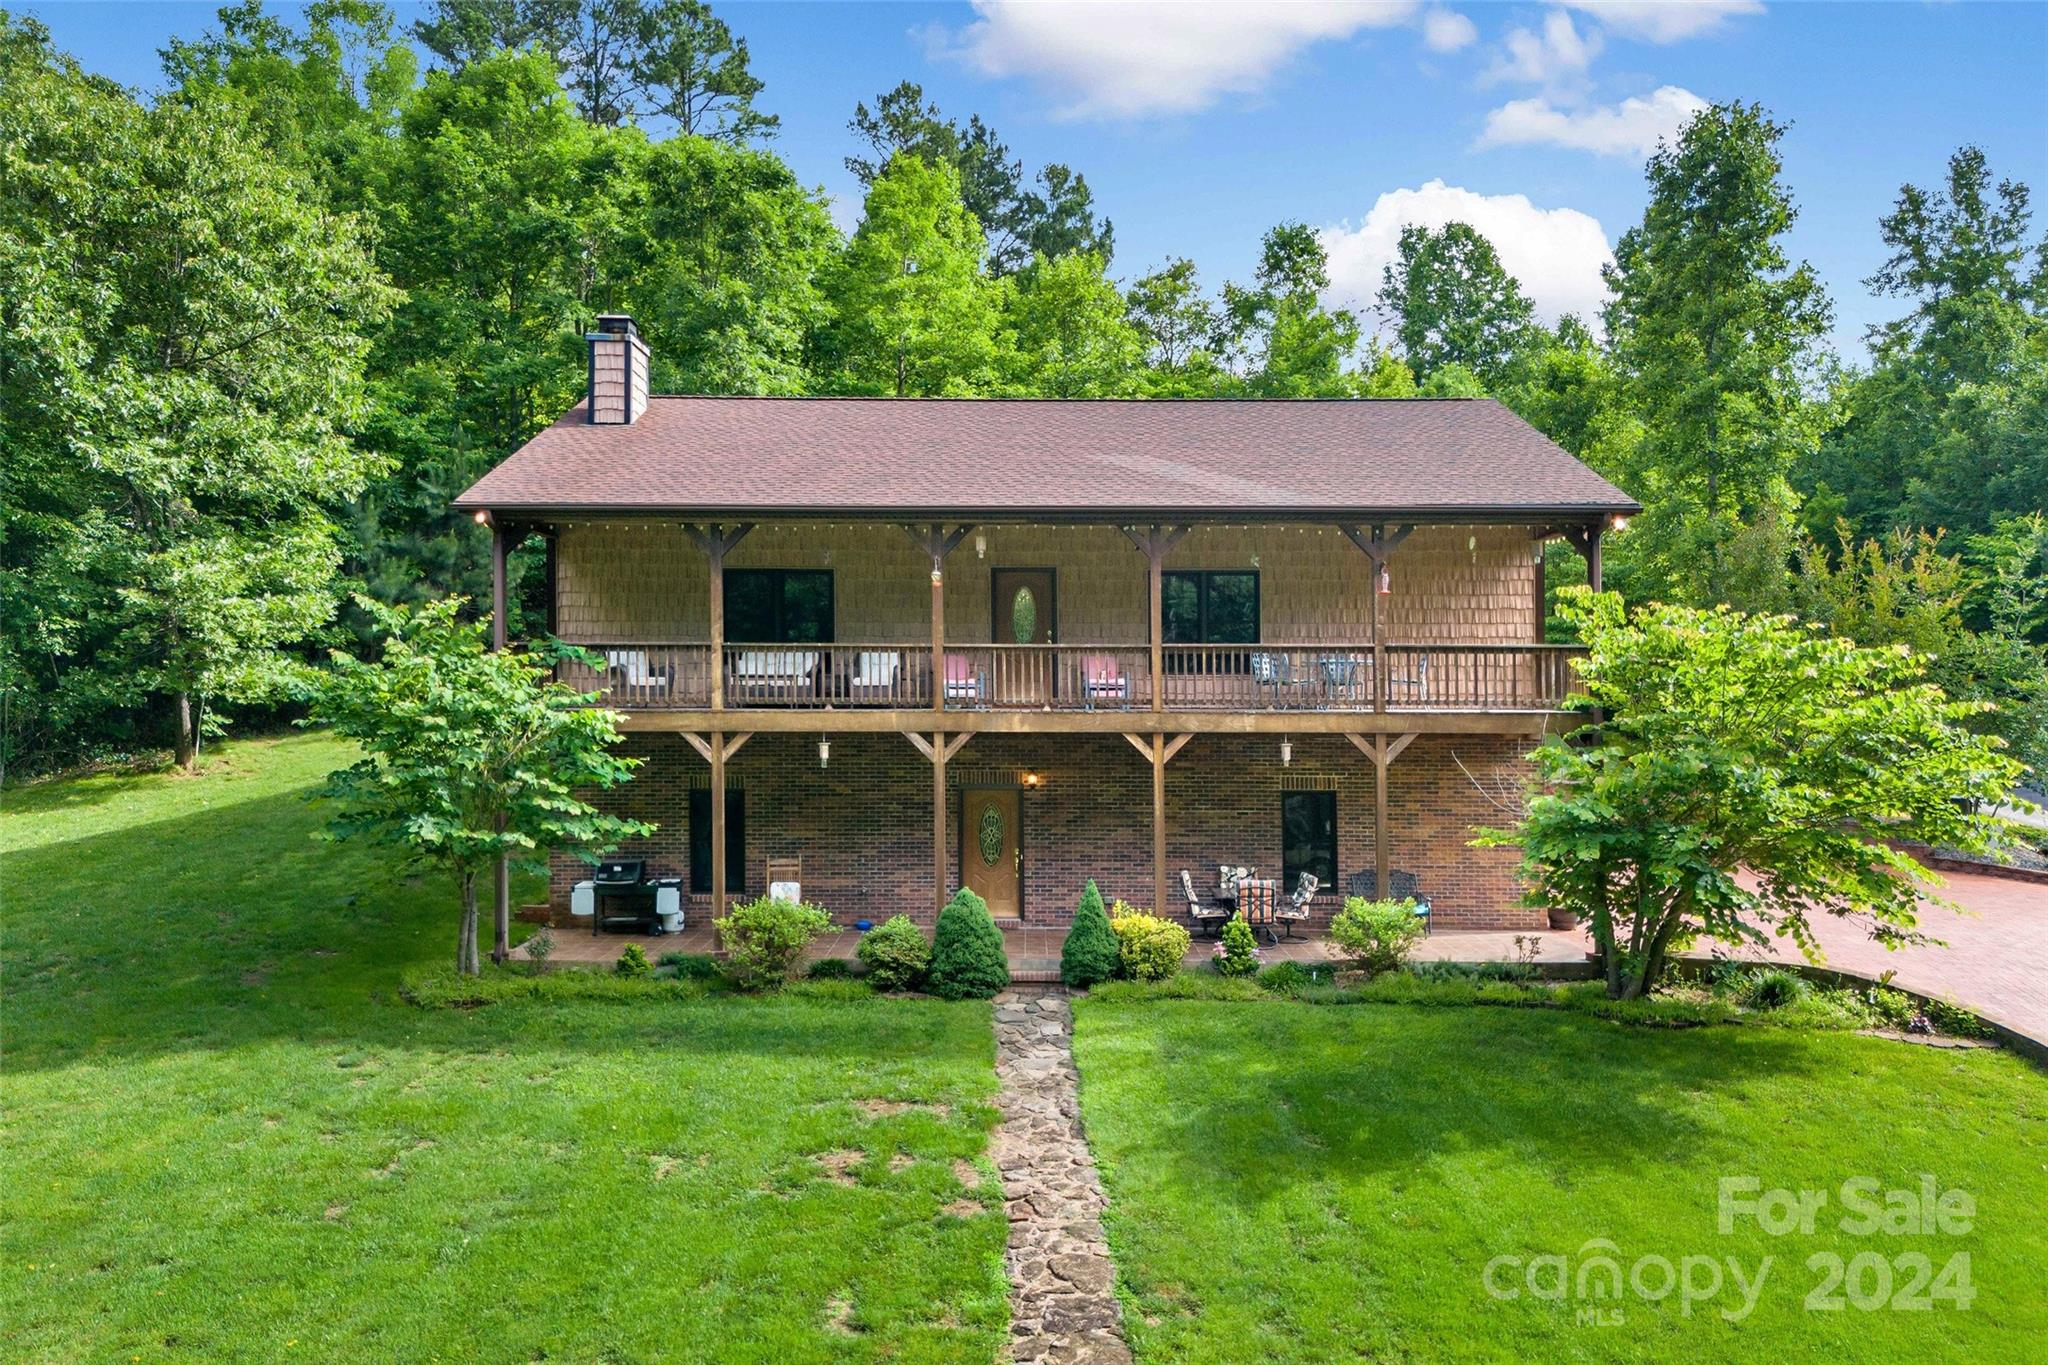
[{"x": 1237, "y": 952}]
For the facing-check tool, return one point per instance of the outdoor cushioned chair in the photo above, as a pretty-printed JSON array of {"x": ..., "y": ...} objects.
[
  {"x": 1275, "y": 673},
  {"x": 1103, "y": 679},
  {"x": 1406, "y": 886},
  {"x": 1295, "y": 911},
  {"x": 875, "y": 674},
  {"x": 1204, "y": 915},
  {"x": 774, "y": 674},
  {"x": 642, "y": 681},
  {"x": 964, "y": 682}
]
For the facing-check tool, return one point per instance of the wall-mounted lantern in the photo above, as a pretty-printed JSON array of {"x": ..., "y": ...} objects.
[
  {"x": 824, "y": 752},
  {"x": 1286, "y": 753}
]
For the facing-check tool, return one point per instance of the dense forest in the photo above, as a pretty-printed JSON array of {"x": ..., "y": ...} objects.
[{"x": 261, "y": 326}]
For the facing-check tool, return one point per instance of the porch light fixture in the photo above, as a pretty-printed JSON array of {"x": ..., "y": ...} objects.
[
  {"x": 1031, "y": 779},
  {"x": 1386, "y": 583},
  {"x": 824, "y": 752},
  {"x": 1618, "y": 521},
  {"x": 1286, "y": 753},
  {"x": 980, "y": 545},
  {"x": 483, "y": 518}
]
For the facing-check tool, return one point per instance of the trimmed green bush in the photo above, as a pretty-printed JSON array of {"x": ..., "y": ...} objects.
[
  {"x": 1237, "y": 951},
  {"x": 1148, "y": 948},
  {"x": 764, "y": 940},
  {"x": 967, "y": 951},
  {"x": 895, "y": 954},
  {"x": 830, "y": 969},
  {"x": 1090, "y": 954},
  {"x": 690, "y": 966},
  {"x": 1376, "y": 936},
  {"x": 1770, "y": 988},
  {"x": 633, "y": 962}
]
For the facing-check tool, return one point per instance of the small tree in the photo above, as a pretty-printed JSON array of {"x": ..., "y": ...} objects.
[
  {"x": 968, "y": 961},
  {"x": 1089, "y": 955},
  {"x": 1747, "y": 744},
  {"x": 470, "y": 755}
]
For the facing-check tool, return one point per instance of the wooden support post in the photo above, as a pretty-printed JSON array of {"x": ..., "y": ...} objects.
[
  {"x": 717, "y": 824},
  {"x": 1154, "y": 544},
  {"x": 1382, "y": 752},
  {"x": 716, "y": 543},
  {"x": 1376, "y": 546},
  {"x": 938, "y": 624},
  {"x": 1158, "y": 823},
  {"x": 498, "y": 623},
  {"x": 501, "y": 898},
  {"x": 938, "y": 749},
  {"x": 1586, "y": 540}
]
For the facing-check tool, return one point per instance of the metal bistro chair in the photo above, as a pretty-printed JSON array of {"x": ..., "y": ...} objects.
[
  {"x": 1296, "y": 910},
  {"x": 1275, "y": 673},
  {"x": 1341, "y": 677},
  {"x": 1405, "y": 886},
  {"x": 1205, "y": 915}
]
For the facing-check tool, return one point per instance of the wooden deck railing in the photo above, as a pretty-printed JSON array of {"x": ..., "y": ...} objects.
[
  {"x": 1264, "y": 677},
  {"x": 652, "y": 675}
]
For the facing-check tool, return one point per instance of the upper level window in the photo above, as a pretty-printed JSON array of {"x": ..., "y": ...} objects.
[
  {"x": 778, "y": 606},
  {"x": 1211, "y": 607}
]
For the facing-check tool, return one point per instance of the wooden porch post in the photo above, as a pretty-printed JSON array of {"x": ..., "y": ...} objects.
[
  {"x": 1376, "y": 546},
  {"x": 1155, "y": 555},
  {"x": 938, "y": 749},
  {"x": 938, "y": 627},
  {"x": 1159, "y": 750},
  {"x": 718, "y": 823},
  {"x": 1382, "y": 753},
  {"x": 1593, "y": 577},
  {"x": 716, "y": 542},
  {"x": 501, "y": 896}
]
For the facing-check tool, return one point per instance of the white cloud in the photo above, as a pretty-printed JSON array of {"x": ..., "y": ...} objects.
[
  {"x": 1663, "y": 21},
  {"x": 1631, "y": 128},
  {"x": 1558, "y": 55},
  {"x": 1446, "y": 30},
  {"x": 1556, "y": 254},
  {"x": 1135, "y": 57}
]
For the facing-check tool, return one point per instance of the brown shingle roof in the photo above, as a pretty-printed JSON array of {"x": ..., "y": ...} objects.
[{"x": 1049, "y": 458}]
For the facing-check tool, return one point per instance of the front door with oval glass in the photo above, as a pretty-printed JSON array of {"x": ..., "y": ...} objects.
[
  {"x": 991, "y": 852},
  {"x": 1023, "y": 617}
]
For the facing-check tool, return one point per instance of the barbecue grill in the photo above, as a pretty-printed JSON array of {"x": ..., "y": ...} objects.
[{"x": 624, "y": 897}]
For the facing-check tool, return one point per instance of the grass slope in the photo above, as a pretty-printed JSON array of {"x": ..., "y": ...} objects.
[
  {"x": 224, "y": 1138},
  {"x": 1306, "y": 1183}
]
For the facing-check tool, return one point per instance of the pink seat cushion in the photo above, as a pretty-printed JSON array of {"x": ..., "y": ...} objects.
[
  {"x": 959, "y": 668},
  {"x": 1100, "y": 668}
]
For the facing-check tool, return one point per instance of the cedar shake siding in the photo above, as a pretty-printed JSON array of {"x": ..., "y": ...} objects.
[{"x": 1450, "y": 584}]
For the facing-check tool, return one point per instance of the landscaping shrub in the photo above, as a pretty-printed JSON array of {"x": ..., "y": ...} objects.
[
  {"x": 1376, "y": 936},
  {"x": 690, "y": 966},
  {"x": 1148, "y": 948},
  {"x": 1889, "y": 1008},
  {"x": 1237, "y": 952},
  {"x": 830, "y": 969},
  {"x": 1292, "y": 978},
  {"x": 1090, "y": 955},
  {"x": 896, "y": 954},
  {"x": 1770, "y": 988},
  {"x": 764, "y": 939},
  {"x": 539, "y": 945},
  {"x": 633, "y": 962},
  {"x": 967, "y": 951},
  {"x": 1956, "y": 1021}
]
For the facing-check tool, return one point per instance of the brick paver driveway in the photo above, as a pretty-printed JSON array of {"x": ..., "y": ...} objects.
[{"x": 1996, "y": 961}]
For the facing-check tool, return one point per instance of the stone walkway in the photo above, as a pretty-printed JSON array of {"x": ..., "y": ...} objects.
[{"x": 1063, "y": 1308}]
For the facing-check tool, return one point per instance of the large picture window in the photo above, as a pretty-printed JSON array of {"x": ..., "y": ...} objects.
[
  {"x": 1308, "y": 837},
  {"x": 778, "y": 606},
  {"x": 1211, "y": 607},
  {"x": 735, "y": 841}
]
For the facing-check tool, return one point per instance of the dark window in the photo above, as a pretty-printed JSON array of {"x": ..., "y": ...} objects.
[
  {"x": 778, "y": 606},
  {"x": 1308, "y": 837},
  {"x": 735, "y": 841},
  {"x": 1211, "y": 607}
]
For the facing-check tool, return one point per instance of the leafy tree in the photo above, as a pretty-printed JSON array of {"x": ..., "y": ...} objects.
[
  {"x": 593, "y": 43},
  {"x": 689, "y": 68},
  {"x": 1090, "y": 954},
  {"x": 1053, "y": 219},
  {"x": 1944, "y": 428},
  {"x": 1736, "y": 744},
  {"x": 1454, "y": 304},
  {"x": 185, "y": 334},
  {"x": 1066, "y": 332},
  {"x": 1713, "y": 329},
  {"x": 322, "y": 95},
  {"x": 470, "y": 755},
  {"x": 719, "y": 257},
  {"x": 911, "y": 312},
  {"x": 1290, "y": 345},
  {"x": 1179, "y": 325}
]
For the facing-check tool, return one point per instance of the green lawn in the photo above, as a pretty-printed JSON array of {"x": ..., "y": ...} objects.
[
  {"x": 1310, "y": 1183},
  {"x": 223, "y": 1137}
]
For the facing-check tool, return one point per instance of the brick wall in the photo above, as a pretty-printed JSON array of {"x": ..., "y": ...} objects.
[{"x": 862, "y": 826}]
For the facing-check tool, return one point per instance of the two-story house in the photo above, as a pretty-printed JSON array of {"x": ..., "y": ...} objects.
[{"x": 898, "y": 645}]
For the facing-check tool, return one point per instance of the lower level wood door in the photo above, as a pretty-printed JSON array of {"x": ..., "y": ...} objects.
[{"x": 992, "y": 849}]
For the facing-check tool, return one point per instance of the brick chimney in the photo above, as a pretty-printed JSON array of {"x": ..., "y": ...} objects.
[{"x": 618, "y": 371}]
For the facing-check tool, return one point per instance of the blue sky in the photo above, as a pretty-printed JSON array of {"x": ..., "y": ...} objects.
[{"x": 1200, "y": 126}]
